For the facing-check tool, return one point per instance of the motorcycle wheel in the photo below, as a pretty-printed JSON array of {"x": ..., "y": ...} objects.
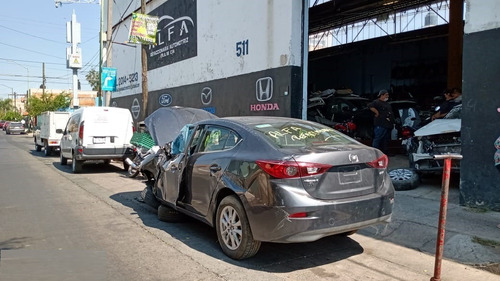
[{"x": 131, "y": 172}]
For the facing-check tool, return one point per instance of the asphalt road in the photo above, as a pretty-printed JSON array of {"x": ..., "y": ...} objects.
[{"x": 55, "y": 225}]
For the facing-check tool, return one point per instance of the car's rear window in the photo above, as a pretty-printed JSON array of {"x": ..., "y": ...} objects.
[
  {"x": 301, "y": 134},
  {"x": 16, "y": 124}
]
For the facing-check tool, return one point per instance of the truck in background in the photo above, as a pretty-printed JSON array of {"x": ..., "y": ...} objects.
[{"x": 45, "y": 134}]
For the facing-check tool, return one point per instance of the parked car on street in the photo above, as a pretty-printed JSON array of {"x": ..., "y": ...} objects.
[
  {"x": 5, "y": 125},
  {"x": 45, "y": 134},
  {"x": 272, "y": 179},
  {"x": 15, "y": 128},
  {"x": 2, "y": 122},
  {"x": 96, "y": 133}
]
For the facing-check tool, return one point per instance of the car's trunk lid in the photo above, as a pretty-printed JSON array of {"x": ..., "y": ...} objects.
[{"x": 351, "y": 174}]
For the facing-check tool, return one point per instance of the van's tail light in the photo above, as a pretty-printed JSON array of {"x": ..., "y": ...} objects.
[
  {"x": 291, "y": 169},
  {"x": 80, "y": 131},
  {"x": 380, "y": 163},
  {"x": 133, "y": 128}
]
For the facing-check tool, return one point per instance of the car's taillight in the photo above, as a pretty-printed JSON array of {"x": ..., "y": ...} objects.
[
  {"x": 291, "y": 169},
  {"x": 380, "y": 163},
  {"x": 406, "y": 133},
  {"x": 80, "y": 130}
]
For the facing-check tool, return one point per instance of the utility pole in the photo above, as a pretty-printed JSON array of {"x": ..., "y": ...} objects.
[
  {"x": 144, "y": 62},
  {"x": 43, "y": 78},
  {"x": 74, "y": 54},
  {"x": 109, "y": 32}
]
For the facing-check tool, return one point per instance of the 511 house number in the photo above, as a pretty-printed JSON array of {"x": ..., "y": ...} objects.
[{"x": 242, "y": 48}]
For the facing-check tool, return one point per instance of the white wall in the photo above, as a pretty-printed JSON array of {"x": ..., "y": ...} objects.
[
  {"x": 481, "y": 15},
  {"x": 272, "y": 28}
]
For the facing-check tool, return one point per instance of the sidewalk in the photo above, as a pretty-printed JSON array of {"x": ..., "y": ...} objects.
[
  {"x": 472, "y": 235},
  {"x": 406, "y": 246}
]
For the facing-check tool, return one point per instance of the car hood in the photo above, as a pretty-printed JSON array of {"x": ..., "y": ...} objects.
[
  {"x": 439, "y": 126},
  {"x": 165, "y": 123}
]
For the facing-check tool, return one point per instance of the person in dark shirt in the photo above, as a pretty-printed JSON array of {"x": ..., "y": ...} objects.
[
  {"x": 383, "y": 121},
  {"x": 446, "y": 106},
  {"x": 453, "y": 97}
]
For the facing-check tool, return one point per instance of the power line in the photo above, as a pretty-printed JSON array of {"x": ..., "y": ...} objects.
[
  {"x": 40, "y": 53},
  {"x": 24, "y": 33},
  {"x": 30, "y": 61}
]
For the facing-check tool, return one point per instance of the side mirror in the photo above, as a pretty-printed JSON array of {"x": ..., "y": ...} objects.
[{"x": 59, "y": 131}]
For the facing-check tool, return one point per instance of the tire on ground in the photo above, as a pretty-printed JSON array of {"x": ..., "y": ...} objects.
[
  {"x": 47, "y": 150},
  {"x": 63, "y": 160},
  {"x": 76, "y": 165},
  {"x": 232, "y": 225},
  {"x": 167, "y": 214},
  {"x": 149, "y": 198},
  {"x": 404, "y": 179}
]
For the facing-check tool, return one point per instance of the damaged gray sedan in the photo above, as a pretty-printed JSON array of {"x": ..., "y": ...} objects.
[{"x": 273, "y": 179}]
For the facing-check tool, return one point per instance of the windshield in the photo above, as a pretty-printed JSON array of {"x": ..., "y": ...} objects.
[{"x": 301, "y": 134}]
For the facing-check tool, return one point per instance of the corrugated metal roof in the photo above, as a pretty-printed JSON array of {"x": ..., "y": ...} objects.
[{"x": 337, "y": 13}]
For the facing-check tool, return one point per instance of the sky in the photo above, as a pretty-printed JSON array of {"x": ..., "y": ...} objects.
[{"x": 33, "y": 32}]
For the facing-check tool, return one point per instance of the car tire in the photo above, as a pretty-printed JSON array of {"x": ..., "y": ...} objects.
[
  {"x": 63, "y": 160},
  {"x": 404, "y": 179},
  {"x": 47, "y": 150},
  {"x": 149, "y": 198},
  {"x": 168, "y": 214},
  {"x": 76, "y": 165},
  {"x": 230, "y": 216}
]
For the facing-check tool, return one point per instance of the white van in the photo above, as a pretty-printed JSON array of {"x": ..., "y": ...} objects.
[{"x": 97, "y": 133}]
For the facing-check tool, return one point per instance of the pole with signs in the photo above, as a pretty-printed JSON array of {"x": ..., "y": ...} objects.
[
  {"x": 74, "y": 54},
  {"x": 143, "y": 30}
]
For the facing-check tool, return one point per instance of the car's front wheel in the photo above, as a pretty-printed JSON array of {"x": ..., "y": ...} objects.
[{"x": 233, "y": 230}]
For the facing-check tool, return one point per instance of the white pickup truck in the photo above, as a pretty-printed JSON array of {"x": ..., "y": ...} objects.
[{"x": 45, "y": 135}]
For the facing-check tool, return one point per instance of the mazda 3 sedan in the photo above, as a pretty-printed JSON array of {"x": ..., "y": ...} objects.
[{"x": 273, "y": 179}]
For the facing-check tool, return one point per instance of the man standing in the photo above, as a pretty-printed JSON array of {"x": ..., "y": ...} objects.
[{"x": 383, "y": 121}]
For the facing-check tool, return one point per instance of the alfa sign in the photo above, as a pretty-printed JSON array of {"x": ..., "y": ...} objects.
[{"x": 108, "y": 79}]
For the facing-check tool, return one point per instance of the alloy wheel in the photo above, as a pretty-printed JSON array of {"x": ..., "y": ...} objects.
[{"x": 231, "y": 229}]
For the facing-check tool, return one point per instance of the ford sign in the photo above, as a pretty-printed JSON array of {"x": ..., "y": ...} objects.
[{"x": 165, "y": 100}]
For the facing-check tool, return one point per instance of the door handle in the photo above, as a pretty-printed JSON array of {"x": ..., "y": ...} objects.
[{"x": 214, "y": 169}]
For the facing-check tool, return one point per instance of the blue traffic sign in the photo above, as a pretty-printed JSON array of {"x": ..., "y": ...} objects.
[{"x": 108, "y": 79}]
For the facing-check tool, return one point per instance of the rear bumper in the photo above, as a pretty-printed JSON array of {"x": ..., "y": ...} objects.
[
  {"x": 85, "y": 153},
  {"x": 324, "y": 217},
  {"x": 16, "y": 131}
]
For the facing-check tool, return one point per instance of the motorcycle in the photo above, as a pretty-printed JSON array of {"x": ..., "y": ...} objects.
[{"x": 143, "y": 163}]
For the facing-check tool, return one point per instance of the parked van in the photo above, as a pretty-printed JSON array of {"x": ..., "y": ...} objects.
[{"x": 97, "y": 133}]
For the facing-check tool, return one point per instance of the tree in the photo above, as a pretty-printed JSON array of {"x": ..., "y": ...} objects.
[
  {"x": 12, "y": 116},
  {"x": 5, "y": 106},
  {"x": 47, "y": 102},
  {"x": 93, "y": 79}
]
